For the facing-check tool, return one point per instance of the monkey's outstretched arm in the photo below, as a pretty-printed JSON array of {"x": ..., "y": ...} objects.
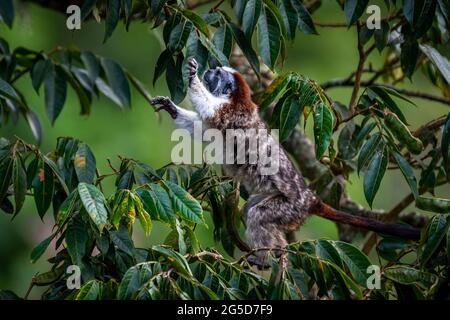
[
  {"x": 183, "y": 118},
  {"x": 201, "y": 99}
]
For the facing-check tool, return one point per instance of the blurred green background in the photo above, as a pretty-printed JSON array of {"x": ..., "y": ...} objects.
[{"x": 137, "y": 133}]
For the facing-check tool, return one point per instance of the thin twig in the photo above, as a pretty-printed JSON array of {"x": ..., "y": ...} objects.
[
  {"x": 98, "y": 180},
  {"x": 358, "y": 74},
  {"x": 24, "y": 71},
  {"x": 430, "y": 126},
  {"x": 30, "y": 287},
  {"x": 192, "y": 4},
  {"x": 214, "y": 255},
  {"x": 111, "y": 166},
  {"x": 357, "y": 113}
]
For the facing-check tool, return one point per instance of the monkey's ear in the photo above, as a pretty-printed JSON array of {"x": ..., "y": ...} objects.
[{"x": 242, "y": 94}]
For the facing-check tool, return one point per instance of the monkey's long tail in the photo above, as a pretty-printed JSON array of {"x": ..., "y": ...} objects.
[{"x": 392, "y": 229}]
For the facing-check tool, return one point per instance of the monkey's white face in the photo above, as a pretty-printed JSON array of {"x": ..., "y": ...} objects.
[{"x": 220, "y": 81}]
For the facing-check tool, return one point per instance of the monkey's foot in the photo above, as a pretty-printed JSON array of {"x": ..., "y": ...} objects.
[
  {"x": 192, "y": 68},
  {"x": 164, "y": 103},
  {"x": 260, "y": 263}
]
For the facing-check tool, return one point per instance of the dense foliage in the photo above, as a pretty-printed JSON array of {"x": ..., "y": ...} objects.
[{"x": 93, "y": 230}]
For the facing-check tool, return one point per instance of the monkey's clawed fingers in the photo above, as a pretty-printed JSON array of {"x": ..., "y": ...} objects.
[
  {"x": 193, "y": 67},
  {"x": 164, "y": 103}
]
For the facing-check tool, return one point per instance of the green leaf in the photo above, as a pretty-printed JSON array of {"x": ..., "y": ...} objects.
[
  {"x": 441, "y": 62},
  {"x": 275, "y": 90},
  {"x": 122, "y": 240},
  {"x": 133, "y": 280},
  {"x": 76, "y": 241},
  {"x": 178, "y": 261},
  {"x": 365, "y": 34},
  {"x": 179, "y": 36},
  {"x": 156, "y": 201},
  {"x": 143, "y": 216},
  {"x": 245, "y": 46},
  {"x": 6, "y": 172},
  {"x": 49, "y": 277},
  {"x": 290, "y": 17},
  {"x": 8, "y": 92},
  {"x": 327, "y": 251},
  {"x": 19, "y": 178},
  {"x": 198, "y": 22},
  {"x": 390, "y": 103},
  {"x": 420, "y": 15},
  {"x": 392, "y": 92},
  {"x": 223, "y": 40},
  {"x": 43, "y": 186},
  {"x": 86, "y": 8},
  {"x": 269, "y": 37},
  {"x": 156, "y": 6},
  {"x": 289, "y": 116},
  {"x": 39, "y": 250},
  {"x": 407, "y": 275},
  {"x": 84, "y": 164},
  {"x": 174, "y": 79},
  {"x": 57, "y": 173},
  {"x": 90, "y": 61},
  {"x": 436, "y": 231},
  {"x": 382, "y": 35},
  {"x": 89, "y": 291},
  {"x": 187, "y": 206},
  {"x": 355, "y": 260},
  {"x": 117, "y": 81},
  {"x": 445, "y": 142},
  {"x": 213, "y": 50},
  {"x": 433, "y": 204},
  {"x": 305, "y": 22},
  {"x": 408, "y": 173},
  {"x": 34, "y": 124},
  {"x": 55, "y": 93},
  {"x": 238, "y": 7},
  {"x": 7, "y": 12},
  {"x": 374, "y": 174},
  {"x": 94, "y": 203},
  {"x": 161, "y": 65},
  {"x": 250, "y": 16},
  {"x": 67, "y": 208},
  {"x": 409, "y": 56},
  {"x": 139, "y": 86},
  {"x": 323, "y": 128},
  {"x": 354, "y": 9},
  {"x": 112, "y": 18},
  {"x": 448, "y": 245},
  {"x": 368, "y": 150},
  {"x": 40, "y": 69}
]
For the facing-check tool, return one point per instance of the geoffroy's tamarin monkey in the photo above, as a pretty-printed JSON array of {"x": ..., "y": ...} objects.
[{"x": 278, "y": 203}]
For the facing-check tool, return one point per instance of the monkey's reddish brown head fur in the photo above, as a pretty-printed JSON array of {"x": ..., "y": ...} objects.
[
  {"x": 242, "y": 95},
  {"x": 240, "y": 112}
]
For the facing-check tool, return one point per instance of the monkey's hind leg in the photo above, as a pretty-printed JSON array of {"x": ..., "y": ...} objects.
[{"x": 268, "y": 219}]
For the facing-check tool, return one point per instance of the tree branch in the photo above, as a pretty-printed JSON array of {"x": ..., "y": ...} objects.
[
  {"x": 349, "y": 83},
  {"x": 192, "y": 4},
  {"x": 357, "y": 83}
]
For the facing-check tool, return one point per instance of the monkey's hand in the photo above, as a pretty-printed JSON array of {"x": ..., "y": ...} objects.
[
  {"x": 192, "y": 69},
  {"x": 164, "y": 103}
]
